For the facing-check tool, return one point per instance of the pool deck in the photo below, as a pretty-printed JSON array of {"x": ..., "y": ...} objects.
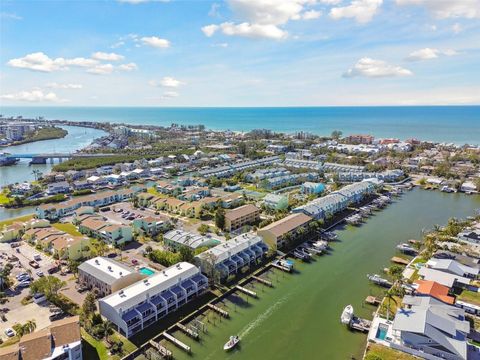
[{"x": 372, "y": 334}]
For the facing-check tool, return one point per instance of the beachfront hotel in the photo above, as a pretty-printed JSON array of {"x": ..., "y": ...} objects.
[
  {"x": 104, "y": 275},
  {"x": 228, "y": 258},
  {"x": 141, "y": 304},
  {"x": 337, "y": 201}
]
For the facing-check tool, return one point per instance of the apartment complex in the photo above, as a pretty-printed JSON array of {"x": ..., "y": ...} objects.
[
  {"x": 175, "y": 239},
  {"x": 142, "y": 303},
  {"x": 277, "y": 233},
  {"x": 243, "y": 215}
]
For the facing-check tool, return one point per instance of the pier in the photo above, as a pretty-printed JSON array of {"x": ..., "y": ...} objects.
[
  {"x": 193, "y": 334},
  {"x": 399, "y": 260},
  {"x": 218, "y": 310},
  {"x": 281, "y": 267},
  {"x": 372, "y": 300},
  {"x": 162, "y": 350},
  {"x": 263, "y": 281},
  {"x": 360, "y": 324},
  {"x": 177, "y": 342},
  {"x": 247, "y": 291}
]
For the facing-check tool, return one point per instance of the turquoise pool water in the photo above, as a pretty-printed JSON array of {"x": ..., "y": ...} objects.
[
  {"x": 146, "y": 271},
  {"x": 381, "y": 332}
]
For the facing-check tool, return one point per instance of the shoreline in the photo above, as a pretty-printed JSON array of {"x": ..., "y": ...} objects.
[{"x": 32, "y": 140}]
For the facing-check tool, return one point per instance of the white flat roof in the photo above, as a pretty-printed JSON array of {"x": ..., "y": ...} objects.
[
  {"x": 105, "y": 269},
  {"x": 231, "y": 247},
  {"x": 136, "y": 293}
]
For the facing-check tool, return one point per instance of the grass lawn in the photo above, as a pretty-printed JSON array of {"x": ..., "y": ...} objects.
[
  {"x": 376, "y": 352},
  {"x": 3, "y": 198},
  {"x": 95, "y": 349},
  {"x": 393, "y": 307},
  {"x": 470, "y": 297},
  {"x": 11, "y": 221},
  {"x": 11, "y": 341},
  {"x": 68, "y": 228}
]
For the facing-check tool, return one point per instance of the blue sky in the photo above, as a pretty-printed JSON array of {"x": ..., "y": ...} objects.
[{"x": 240, "y": 52}]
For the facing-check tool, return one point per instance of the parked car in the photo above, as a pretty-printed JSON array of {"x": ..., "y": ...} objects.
[
  {"x": 134, "y": 261},
  {"x": 24, "y": 284},
  {"x": 57, "y": 316},
  {"x": 9, "y": 332},
  {"x": 40, "y": 273},
  {"x": 37, "y": 257}
]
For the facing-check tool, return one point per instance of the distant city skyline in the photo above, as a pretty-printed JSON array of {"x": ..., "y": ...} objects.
[{"x": 240, "y": 53}]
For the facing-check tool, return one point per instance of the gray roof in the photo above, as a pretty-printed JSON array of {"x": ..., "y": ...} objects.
[
  {"x": 452, "y": 266},
  {"x": 97, "y": 271},
  {"x": 442, "y": 323},
  {"x": 442, "y": 277}
]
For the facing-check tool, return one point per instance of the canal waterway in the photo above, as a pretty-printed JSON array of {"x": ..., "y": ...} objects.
[
  {"x": 300, "y": 317},
  {"x": 76, "y": 139}
]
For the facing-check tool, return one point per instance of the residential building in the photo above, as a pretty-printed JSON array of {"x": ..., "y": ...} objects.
[
  {"x": 149, "y": 225},
  {"x": 453, "y": 267},
  {"x": 276, "y": 202},
  {"x": 435, "y": 290},
  {"x": 277, "y": 233},
  {"x": 175, "y": 239},
  {"x": 105, "y": 275},
  {"x": 61, "y": 187},
  {"x": 359, "y": 139},
  {"x": 228, "y": 170},
  {"x": 311, "y": 188},
  {"x": 96, "y": 227},
  {"x": 241, "y": 216},
  {"x": 429, "y": 328},
  {"x": 228, "y": 258},
  {"x": 142, "y": 303},
  {"x": 59, "y": 341},
  {"x": 443, "y": 278}
]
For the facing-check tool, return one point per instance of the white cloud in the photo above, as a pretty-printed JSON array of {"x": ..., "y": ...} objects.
[
  {"x": 222, "y": 45},
  {"x": 268, "y": 31},
  {"x": 11, "y": 16},
  {"x": 457, "y": 28},
  {"x": 167, "y": 81},
  {"x": 155, "y": 42},
  {"x": 40, "y": 62},
  {"x": 128, "y": 67},
  {"x": 361, "y": 10},
  {"x": 99, "y": 55},
  {"x": 375, "y": 69},
  {"x": 54, "y": 85},
  {"x": 33, "y": 96},
  {"x": 170, "y": 94},
  {"x": 443, "y": 9},
  {"x": 101, "y": 69},
  {"x": 429, "y": 53},
  {"x": 264, "y": 18},
  {"x": 311, "y": 14}
]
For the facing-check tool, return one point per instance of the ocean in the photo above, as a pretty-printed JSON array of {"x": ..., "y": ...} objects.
[{"x": 455, "y": 124}]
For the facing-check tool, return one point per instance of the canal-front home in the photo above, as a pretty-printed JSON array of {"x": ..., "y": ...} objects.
[
  {"x": 430, "y": 329},
  {"x": 277, "y": 233},
  {"x": 229, "y": 257},
  {"x": 139, "y": 305},
  {"x": 337, "y": 201}
]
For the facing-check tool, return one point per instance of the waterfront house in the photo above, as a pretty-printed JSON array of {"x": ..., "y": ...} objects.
[
  {"x": 230, "y": 257},
  {"x": 275, "y": 202},
  {"x": 61, "y": 187},
  {"x": 104, "y": 275},
  {"x": 429, "y": 328},
  {"x": 241, "y": 216},
  {"x": 448, "y": 279},
  {"x": 471, "y": 236},
  {"x": 144, "y": 302},
  {"x": 468, "y": 187},
  {"x": 175, "y": 239},
  {"x": 81, "y": 185},
  {"x": 452, "y": 267},
  {"x": 277, "y": 233},
  {"x": 433, "y": 289}
]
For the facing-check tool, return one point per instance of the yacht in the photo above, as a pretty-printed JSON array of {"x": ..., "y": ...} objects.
[{"x": 347, "y": 315}]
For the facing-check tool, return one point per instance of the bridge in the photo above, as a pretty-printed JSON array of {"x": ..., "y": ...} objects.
[{"x": 42, "y": 158}]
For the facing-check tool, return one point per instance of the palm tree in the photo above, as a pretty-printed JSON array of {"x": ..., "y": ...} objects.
[
  {"x": 389, "y": 297},
  {"x": 106, "y": 328},
  {"x": 19, "y": 330},
  {"x": 30, "y": 326}
]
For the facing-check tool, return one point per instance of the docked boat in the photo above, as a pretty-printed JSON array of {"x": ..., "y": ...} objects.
[
  {"x": 321, "y": 245},
  {"x": 406, "y": 249},
  {"x": 347, "y": 315},
  {"x": 300, "y": 255},
  {"x": 231, "y": 343},
  {"x": 354, "y": 219},
  {"x": 286, "y": 263},
  {"x": 377, "y": 279},
  {"x": 447, "y": 189},
  {"x": 328, "y": 235}
]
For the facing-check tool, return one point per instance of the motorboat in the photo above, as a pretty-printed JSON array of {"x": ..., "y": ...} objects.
[
  {"x": 347, "y": 315},
  {"x": 231, "y": 343},
  {"x": 377, "y": 279}
]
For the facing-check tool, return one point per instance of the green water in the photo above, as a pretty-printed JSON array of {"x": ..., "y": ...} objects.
[{"x": 300, "y": 317}]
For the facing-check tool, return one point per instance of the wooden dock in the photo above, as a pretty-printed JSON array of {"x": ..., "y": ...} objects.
[
  {"x": 177, "y": 342},
  {"x": 246, "y": 291},
  {"x": 359, "y": 324},
  {"x": 399, "y": 260},
  {"x": 263, "y": 281},
  {"x": 283, "y": 268},
  {"x": 218, "y": 310},
  {"x": 163, "y": 351},
  {"x": 372, "y": 300},
  {"x": 193, "y": 334}
]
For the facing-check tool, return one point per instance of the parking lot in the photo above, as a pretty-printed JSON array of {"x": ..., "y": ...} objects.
[{"x": 124, "y": 213}]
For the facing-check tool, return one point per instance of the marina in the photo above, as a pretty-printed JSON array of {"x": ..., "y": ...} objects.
[{"x": 265, "y": 319}]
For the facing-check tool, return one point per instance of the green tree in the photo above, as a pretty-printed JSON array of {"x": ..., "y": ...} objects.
[
  {"x": 106, "y": 329},
  {"x": 48, "y": 285},
  {"x": 88, "y": 307},
  {"x": 336, "y": 134},
  {"x": 220, "y": 218},
  {"x": 186, "y": 254}
]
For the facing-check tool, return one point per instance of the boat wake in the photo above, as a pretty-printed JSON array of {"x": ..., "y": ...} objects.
[{"x": 261, "y": 318}]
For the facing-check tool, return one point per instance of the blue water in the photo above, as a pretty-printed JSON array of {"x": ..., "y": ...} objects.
[
  {"x": 457, "y": 124},
  {"x": 146, "y": 271}
]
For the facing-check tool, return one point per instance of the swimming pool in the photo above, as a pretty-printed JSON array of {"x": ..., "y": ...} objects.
[
  {"x": 381, "y": 332},
  {"x": 146, "y": 271}
]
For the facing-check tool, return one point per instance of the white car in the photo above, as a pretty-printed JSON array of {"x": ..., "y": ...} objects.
[{"x": 9, "y": 332}]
